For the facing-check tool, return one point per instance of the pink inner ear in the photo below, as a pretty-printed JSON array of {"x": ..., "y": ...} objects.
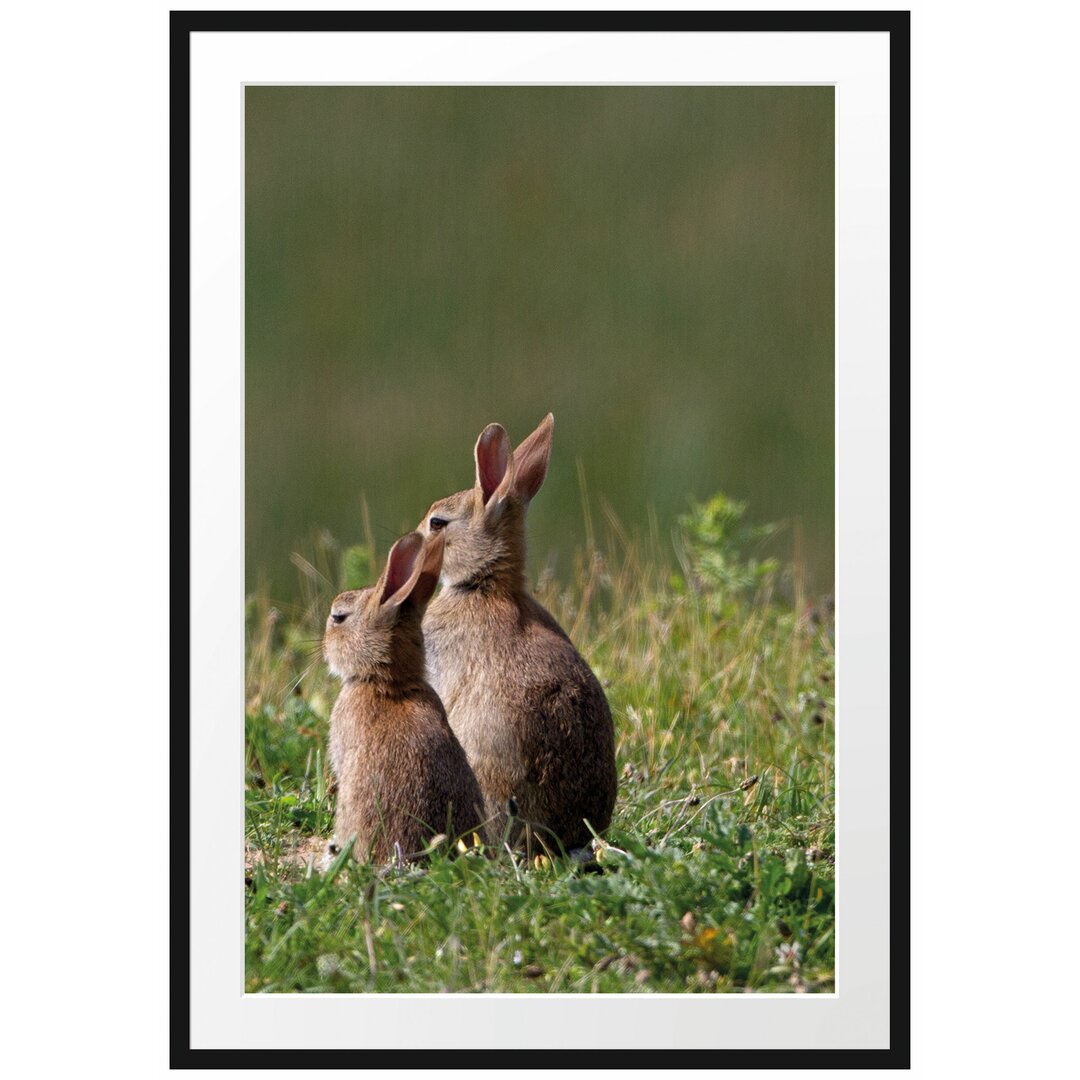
[
  {"x": 401, "y": 563},
  {"x": 492, "y": 459}
]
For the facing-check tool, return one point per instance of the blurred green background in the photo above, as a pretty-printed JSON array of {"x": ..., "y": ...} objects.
[{"x": 652, "y": 264}]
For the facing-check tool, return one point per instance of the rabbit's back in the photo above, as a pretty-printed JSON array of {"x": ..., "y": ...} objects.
[
  {"x": 402, "y": 774},
  {"x": 528, "y": 710}
]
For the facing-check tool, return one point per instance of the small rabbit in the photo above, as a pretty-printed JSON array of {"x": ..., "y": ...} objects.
[
  {"x": 402, "y": 775},
  {"x": 527, "y": 708}
]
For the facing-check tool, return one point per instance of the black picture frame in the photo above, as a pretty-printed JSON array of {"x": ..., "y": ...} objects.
[{"x": 897, "y": 25}]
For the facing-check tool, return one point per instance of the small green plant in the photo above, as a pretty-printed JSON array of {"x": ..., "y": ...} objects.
[
  {"x": 357, "y": 567},
  {"x": 713, "y": 540}
]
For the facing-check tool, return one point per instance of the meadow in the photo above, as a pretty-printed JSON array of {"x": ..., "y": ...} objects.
[{"x": 718, "y": 871}]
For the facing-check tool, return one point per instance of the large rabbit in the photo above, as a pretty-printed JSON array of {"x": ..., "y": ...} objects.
[
  {"x": 402, "y": 775},
  {"x": 527, "y": 708}
]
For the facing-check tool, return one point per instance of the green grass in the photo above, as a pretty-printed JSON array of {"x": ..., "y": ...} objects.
[{"x": 717, "y": 872}]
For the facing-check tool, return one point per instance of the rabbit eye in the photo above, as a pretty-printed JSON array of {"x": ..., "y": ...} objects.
[
  {"x": 339, "y": 619},
  {"x": 438, "y": 523}
]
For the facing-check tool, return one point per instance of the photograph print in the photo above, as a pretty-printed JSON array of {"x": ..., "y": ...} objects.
[{"x": 539, "y": 557}]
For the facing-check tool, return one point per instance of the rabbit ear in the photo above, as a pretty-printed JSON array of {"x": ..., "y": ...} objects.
[
  {"x": 403, "y": 566},
  {"x": 531, "y": 459},
  {"x": 494, "y": 462},
  {"x": 430, "y": 568},
  {"x": 412, "y": 570}
]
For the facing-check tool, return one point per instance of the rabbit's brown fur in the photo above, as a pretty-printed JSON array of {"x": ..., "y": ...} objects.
[
  {"x": 402, "y": 774},
  {"x": 527, "y": 708}
]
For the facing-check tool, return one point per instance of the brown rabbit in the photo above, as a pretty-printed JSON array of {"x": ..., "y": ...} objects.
[
  {"x": 402, "y": 775},
  {"x": 527, "y": 708}
]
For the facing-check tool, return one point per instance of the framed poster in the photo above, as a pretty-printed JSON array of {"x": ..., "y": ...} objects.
[{"x": 665, "y": 257}]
